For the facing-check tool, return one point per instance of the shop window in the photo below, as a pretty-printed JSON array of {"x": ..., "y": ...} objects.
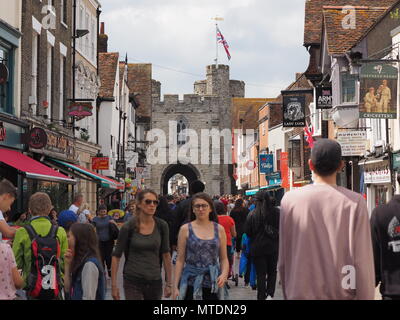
[
  {"x": 348, "y": 86},
  {"x": 7, "y": 87}
]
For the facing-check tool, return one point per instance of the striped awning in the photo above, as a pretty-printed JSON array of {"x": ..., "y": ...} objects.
[{"x": 104, "y": 181}]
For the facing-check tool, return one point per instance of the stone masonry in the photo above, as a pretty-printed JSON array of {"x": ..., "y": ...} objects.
[{"x": 208, "y": 108}]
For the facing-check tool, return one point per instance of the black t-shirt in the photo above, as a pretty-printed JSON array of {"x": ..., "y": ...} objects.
[{"x": 385, "y": 226}]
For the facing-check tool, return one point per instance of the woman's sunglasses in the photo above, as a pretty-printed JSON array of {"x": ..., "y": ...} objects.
[{"x": 149, "y": 202}]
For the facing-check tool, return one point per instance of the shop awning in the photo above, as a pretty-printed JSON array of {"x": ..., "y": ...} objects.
[
  {"x": 251, "y": 192},
  {"x": 372, "y": 160},
  {"x": 31, "y": 168},
  {"x": 104, "y": 181}
]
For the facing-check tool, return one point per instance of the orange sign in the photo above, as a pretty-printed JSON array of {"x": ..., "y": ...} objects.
[
  {"x": 285, "y": 170},
  {"x": 100, "y": 163}
]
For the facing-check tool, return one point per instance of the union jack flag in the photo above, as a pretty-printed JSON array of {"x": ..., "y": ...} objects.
[{"x": 222, "y": 40}]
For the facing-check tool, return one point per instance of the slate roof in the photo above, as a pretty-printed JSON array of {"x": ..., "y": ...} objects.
[{"x": 108, "y": 63}]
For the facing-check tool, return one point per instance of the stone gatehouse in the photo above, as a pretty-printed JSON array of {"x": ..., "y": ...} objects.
[{"x": 210, "y": 107}]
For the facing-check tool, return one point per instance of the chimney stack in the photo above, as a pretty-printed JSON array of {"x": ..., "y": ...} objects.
[{"x": 102, "y": 42}]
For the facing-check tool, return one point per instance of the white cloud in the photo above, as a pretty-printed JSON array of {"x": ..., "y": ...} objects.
[{"x": 265, "y": 39}]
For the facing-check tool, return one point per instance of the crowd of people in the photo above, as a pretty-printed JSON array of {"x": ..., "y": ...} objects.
[{"x": 320, "y": 239}]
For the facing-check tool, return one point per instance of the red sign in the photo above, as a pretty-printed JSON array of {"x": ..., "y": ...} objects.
[
  {"x": 100, "y": 163},
  {"x": 37, "y": 138},
  {"x": 285, "y": 170},
  {"x": 80, "y": 109},
  {"x": 251, "y": 165},
  {"x": 3, "y": 132}
]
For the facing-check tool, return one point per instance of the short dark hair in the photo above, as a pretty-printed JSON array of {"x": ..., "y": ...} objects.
[
  {"x": 102, "y": 207},
  {"x": 6, "y": 187},
  {"x": 196, "y": 187},
  {"x": 326, "y": 156}
]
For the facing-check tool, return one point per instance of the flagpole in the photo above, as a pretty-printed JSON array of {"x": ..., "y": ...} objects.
[
  {"x": 216, "y": 45},
  {"x": 216, "y": 37}
]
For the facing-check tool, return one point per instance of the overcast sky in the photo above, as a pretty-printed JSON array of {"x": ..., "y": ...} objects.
[{"x": 265, "y": 39}]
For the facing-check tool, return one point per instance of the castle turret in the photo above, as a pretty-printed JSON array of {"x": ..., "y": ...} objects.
[{"x": 218, "y": 80}]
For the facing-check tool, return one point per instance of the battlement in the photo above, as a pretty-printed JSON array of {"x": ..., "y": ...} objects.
[
  {"x": 190, "y": 103},
  {"x": 213, "y": 67}
]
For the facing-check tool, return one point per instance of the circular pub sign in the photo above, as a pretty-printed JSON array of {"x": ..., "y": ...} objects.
[
  {"x": 37, "y": 138},
  {"x": 251, "y": 165}
]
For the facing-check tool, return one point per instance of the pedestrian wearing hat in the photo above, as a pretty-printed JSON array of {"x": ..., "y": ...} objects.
[
  {"x": 66, "y": 218},
  {"x": 325, "y": 247}
]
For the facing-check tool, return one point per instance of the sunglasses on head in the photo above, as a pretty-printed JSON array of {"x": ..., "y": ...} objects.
[{"x": 148, "y": 202}]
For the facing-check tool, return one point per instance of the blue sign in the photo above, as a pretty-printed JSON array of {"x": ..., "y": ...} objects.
[
  {"x": 266, "y": 163},
  {"x": 273, "y": 179}
]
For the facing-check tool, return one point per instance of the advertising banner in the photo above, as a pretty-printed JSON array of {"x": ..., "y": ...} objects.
[
  {"x": 285, "y": 170},
  {"x": 378, "y": 90},
  {"x": 294, "y": 110},
  {"x": 266, "y": 163},
  {"x": 102, "y": 163},
  {"x": 354, "y": 143}
]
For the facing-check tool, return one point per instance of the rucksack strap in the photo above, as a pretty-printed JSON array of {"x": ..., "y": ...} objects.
[
  {"x": 31, "y": 231},
  {"x": 53, "y": 231}
]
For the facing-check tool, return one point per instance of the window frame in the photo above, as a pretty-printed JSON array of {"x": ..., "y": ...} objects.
[
  {"x": 9, "y": 85},
  {"x": 342, "y": 79}
]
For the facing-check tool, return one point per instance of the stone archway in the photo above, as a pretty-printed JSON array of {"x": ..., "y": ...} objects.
[{"x": 188, "y": 171}]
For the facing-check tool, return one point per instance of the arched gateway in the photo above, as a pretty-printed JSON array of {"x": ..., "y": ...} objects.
[{"x": 188, "y": 171}]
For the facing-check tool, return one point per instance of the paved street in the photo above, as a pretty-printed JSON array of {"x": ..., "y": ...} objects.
[{"x": 236, "y": 293}]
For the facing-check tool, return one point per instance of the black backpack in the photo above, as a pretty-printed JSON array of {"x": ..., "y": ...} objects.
[{"x": 44, "y": 280}]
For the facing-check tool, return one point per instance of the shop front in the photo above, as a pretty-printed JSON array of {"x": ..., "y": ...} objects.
[
  {"x": 274, "y": 187},
  {"x": 377, "y": 176}
]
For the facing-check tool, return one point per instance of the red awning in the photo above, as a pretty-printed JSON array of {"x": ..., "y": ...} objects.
[{"x": 31, "y": 168}]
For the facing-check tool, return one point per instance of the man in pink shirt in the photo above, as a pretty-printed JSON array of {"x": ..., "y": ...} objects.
[{"x": 325, "y": 249}]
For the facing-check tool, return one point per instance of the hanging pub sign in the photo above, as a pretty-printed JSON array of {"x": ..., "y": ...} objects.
[
  {"x": 266, "y": 163},
  {"x": 3, "y": 132},
  {"x": 37, "y": 138},
  {"x": 3, "y": 73},
  {"x": 324, "y": 97},
  {"x": 80, "y": 109},
  {"x": 121, "y": 169},
  {"x": 294, "y": 111},
  {"x": 378, "y": 90}
]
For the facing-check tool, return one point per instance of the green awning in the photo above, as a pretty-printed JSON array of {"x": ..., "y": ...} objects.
[
  {"x": 104, "y": 181},
  {"x": 272, "y": 187}
]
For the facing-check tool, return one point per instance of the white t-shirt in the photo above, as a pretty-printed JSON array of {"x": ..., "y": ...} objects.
[
  {"x": 74, "y": 208},
  {"x": 1, "y": 216}
]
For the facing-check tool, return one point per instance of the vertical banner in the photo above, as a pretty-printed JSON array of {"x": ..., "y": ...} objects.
[
  {"x": 294, "y": 110},
  {"x": 285, "y": 170},
  {"x": 266, "y": 163},
  {"x": 378, "y": 90}
]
